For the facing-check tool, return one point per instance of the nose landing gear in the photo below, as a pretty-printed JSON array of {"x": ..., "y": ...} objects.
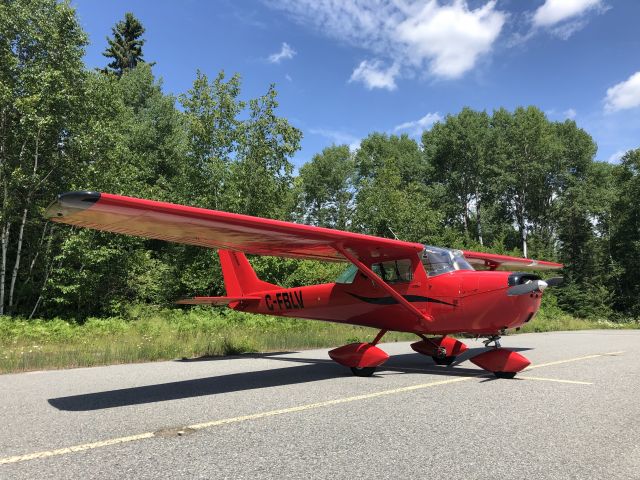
[
  {"x": 495, "y": 339},
  {"x": 502, "y": 362},
  {"x": 443, "y": 350}
]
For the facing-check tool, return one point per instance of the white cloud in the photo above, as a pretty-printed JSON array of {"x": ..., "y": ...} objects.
[
  {"x": 553, "y": 12},
  {"x": 451, "y": 38},
  {"x": 416, "y": 127},
  {"x": 447, "y": 41},
  {"x": 373, "y": 75},
  {"x": 338, "y": 137},
  {"x": 570, "y": 113},
  {"x": 285, "y": 53},
  {"x": 624, "y": 95},
  {"x": 563, "y": 18},
  {"x": 616, "y": 156},
  {"x": 288, "y": 78}
]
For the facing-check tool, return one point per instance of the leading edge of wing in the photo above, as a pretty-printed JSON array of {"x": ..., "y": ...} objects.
[{"x": 217, "y": 229}]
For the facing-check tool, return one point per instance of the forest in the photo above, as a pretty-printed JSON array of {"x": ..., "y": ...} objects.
[{"x": 502, "y": 181}]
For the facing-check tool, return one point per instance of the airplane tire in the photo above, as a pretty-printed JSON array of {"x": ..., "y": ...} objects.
[
  {"x": 505, "y": 374},
  {"x": 363, "y": 371},
  {"x": 444, "y": 360}
]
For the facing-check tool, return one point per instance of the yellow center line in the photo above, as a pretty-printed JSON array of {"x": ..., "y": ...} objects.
[
  {"x": 544, "y": 379},
  {"x": 569, "y": 360},
  {"x": 337, "y": 401},
  {"x": 282, "y": 411},
  {"x": 75, "y": 448}
]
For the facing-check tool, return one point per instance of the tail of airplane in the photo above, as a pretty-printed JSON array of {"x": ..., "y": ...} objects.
[{"x": 240, "y": 278}]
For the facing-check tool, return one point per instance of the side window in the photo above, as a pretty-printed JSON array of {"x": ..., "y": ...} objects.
[
  {"x": 396, "y": 271},
  {"x": 349, "y": 275}
]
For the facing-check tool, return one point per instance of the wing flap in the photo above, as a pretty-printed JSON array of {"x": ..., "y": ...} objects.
[{"x": 216, "y": 229}]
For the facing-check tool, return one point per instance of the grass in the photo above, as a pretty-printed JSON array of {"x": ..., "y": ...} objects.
[
  {"x": 154, "y": 334},
  {"x": 161, "y": 335}
]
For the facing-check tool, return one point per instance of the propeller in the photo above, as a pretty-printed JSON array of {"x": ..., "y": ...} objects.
[
  {"x": 554, "y": 281},
  {"x": 528, "y": 287}
]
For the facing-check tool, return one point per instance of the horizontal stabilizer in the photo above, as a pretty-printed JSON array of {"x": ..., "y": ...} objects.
[{"x": 216, "y": 300}]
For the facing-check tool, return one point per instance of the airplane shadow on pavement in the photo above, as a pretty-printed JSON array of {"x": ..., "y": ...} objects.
[{"x": 309, "y": 370}]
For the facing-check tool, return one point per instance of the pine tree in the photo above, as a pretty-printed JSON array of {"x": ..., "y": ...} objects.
[{"x": 126, "y": 45}]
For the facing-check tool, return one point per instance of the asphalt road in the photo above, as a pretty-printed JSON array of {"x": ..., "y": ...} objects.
[{"x": 574, "y": 414}]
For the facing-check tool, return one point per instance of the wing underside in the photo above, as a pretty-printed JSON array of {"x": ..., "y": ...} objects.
[
  {"x": 493, "y": 261},
  {"x": 216, "y": 229}
]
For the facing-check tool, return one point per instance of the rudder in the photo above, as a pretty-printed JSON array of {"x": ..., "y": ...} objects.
[{"x": 239, "y": 276}]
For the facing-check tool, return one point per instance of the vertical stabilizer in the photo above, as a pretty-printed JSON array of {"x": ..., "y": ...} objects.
[{"x": 239, "y": 276}]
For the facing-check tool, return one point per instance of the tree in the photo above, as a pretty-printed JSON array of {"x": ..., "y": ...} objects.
[
  {"x": 526, "y": 148},
  {"x": 582, "y": 216},
  {"x": 625, "y": 236},
  {"x": 234, "y": 164},
  {"x": 211, "y": 111},
  {"x": 326, "y": 188},
  {"x": 458, "y": 150},
  {"x": 393, "y": 197},
  {"x": 41, "y": 93},
  {"x": 261, "y": 174},
  {"x": 125, "y": 48}
]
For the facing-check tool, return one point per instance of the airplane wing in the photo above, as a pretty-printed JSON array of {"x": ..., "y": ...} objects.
[
  {"x": 215, "y": 229},
  {"x": 493, "y": 261}
]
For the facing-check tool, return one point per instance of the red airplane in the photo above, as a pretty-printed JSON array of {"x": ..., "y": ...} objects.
[{"x": 389, "y": 284}]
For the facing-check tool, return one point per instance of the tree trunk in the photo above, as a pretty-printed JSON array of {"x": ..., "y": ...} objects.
[
  {"x": 5, "y": 241},
  {"x": 48, "y": 270},
  {"x": 465, "y": 218},
  {"x": 16, "y": 265},
  {"x": 479, "y": 218}
]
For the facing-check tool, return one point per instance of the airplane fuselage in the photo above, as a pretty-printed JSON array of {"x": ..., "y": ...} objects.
[{"x": 458, "y": 301}]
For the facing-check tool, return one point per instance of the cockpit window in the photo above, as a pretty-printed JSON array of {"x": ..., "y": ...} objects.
[
  {"x": 438, "y": 260},
  {"x": 348, "y": 275},
  {"x": 395, "y": 271}
]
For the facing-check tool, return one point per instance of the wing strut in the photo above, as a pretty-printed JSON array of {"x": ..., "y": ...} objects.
[{"x": 371, "y": 275}]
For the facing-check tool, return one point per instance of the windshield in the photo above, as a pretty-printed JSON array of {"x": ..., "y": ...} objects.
[{"x": 438, "y": 260}]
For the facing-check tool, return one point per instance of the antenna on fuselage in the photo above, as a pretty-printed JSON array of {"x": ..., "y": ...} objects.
[{"x": 394, "y": 233}]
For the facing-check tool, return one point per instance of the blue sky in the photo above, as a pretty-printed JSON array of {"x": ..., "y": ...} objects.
[{"x": 344, "y": 69}]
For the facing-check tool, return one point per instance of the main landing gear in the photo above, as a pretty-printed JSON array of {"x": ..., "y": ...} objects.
[{"x": 362, "y": 358}]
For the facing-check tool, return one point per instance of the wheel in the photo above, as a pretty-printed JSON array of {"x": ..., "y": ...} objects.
[
  {"x": 505, "y": 374},
  {"x": 444, "y": 360},
  {"x": 363, "y": 371}
]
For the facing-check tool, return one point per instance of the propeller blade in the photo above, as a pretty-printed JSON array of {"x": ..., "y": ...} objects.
[
  {"x": 554, "y": 281},
  {"x": 526, "y": 288}
]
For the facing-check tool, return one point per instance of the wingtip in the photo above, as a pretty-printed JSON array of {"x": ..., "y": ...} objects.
[{"x": 71, "y": 202}]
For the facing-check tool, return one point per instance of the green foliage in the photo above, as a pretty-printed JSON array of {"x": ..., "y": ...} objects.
[
  {"x": 125, "y": 48},
  {"x": 625, "y": 234},
  {"x": 392, "y": 196},
  {"x": 146, "y": 334},
  {"x": 327, "y": 192},
  {"x": 509, "y": 182},
  {"x": 41, "y": 100}
]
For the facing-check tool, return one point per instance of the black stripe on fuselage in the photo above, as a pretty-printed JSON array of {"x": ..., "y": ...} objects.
[{"x": 391, "y": 300}]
